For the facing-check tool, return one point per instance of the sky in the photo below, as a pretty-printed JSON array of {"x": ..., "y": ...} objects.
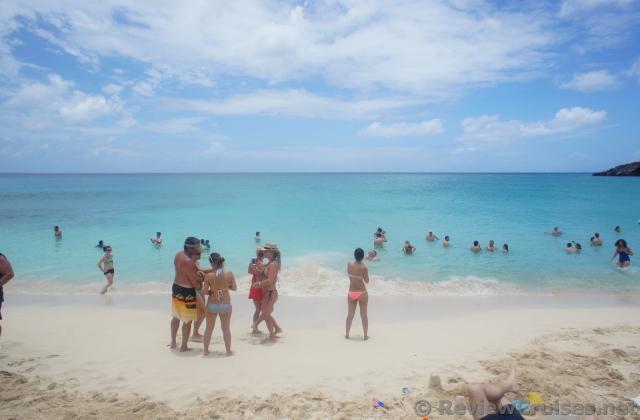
[{"x": 329, "y": 85}]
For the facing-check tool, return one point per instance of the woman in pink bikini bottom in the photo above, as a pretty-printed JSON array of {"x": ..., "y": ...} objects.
[{"x": 358, "y": 278}]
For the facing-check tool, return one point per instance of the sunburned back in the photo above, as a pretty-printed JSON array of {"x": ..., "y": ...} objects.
[
  {"x": 357, "y": 274},
  {"x": 186, "y": 270},
  {"x": 218, "y": 285}
]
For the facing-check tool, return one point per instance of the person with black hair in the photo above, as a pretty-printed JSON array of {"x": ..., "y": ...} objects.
[{"x": 357, "y": 296}]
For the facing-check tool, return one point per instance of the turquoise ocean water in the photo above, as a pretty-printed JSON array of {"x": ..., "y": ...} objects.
[{"x": 317, "y": 220}]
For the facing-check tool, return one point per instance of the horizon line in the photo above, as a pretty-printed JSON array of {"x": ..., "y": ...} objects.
[{"x": 306, "y": 173}]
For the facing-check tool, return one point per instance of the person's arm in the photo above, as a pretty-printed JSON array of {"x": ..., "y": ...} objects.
[
  {"x": 100, "y": 263},
  {"x": 232, "y": 282},
  {"x": 629, "y": 251},
  {"x": 614, "y": 255},
  {"x": 366, "y": 275},
  {"x": 6, "y": 270},
  {"x": 272, "y": 273}
]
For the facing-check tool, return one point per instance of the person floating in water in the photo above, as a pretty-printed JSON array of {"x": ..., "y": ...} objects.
[
  {"x": 595, "y": 240},
  {"x": 445, "y": 243},
  {"x": 100, "y": 244},
  {"x": 505, "y": 248},
  {"x": 555, "y": 232},
  {"x": 257, "y": 238},
  {"x": 105, "y": 264},
  {"x": 408, "y": 249},
  {"x": 372, "y": 256},
  {"x": 431, "y": 237},
  {"x": 623, "y": 252},
  {"x": 617, "y": 229},
  {"x": 157, "y": 241},
  {"x": 475, "y": 248},
  {"x": 6, "y": 274},
  {"x": 492, "y": 246},
  {"x": 570, "y": 249},
  {"x": 357, "y": 295},
  {"x": 57, "y": 232}
]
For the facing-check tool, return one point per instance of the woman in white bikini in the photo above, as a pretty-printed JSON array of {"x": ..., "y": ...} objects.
[
  {"x": 217, "y": 285},
  {"x": 358, "y": 277}
]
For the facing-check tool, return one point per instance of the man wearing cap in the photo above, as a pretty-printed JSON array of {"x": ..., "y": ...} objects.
[{"x": 183, "y": 296}]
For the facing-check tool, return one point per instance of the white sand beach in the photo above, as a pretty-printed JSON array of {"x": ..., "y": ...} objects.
[{"x": 101, "y": 358}]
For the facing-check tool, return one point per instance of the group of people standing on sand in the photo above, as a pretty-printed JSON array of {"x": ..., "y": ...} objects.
[{"x": 200, "y": 294}]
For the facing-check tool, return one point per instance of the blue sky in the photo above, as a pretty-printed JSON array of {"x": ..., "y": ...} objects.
[{"x": 333, "y": 85}]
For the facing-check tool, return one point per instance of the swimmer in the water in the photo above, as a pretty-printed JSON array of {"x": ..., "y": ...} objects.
[
  {"x": 379, "y": 241},
  {"x": 157, "y": 241},
  {"x": 492, "y": 246},
  {"x": 431, "y": 237},
  {"x": 570, "y": 248},
  {"x": 578, "y": 246},
  {"x": 100, "y": 244},
  {"x": 623, "y": 252},
  {"x": 617, "y": 229},
  {"x": 555, "y": 232},
  {"x": 382, "y": 233},
  {"x": 207, "y": 245},
  {"x": 57, "y": 231},
  {"x": 408, "y": 249},
  {"x": 476, "y": 247},
  {"x": 445, "y": 242},
  {"x": 372, "y": 256},
  {"x": 595, "y": 240},
  {"x": 257, "y": 237},
  {"x": 505, "y": 248}
]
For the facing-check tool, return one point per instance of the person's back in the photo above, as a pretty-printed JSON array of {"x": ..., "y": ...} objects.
[
  {"x": 357, "y": 275},
  {"x": 218, "y": 284}
]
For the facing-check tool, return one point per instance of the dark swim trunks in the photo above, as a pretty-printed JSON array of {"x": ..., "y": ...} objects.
[
  {"x": 508, "y": 412},
  {"x": 109, "y": 271},
  {"x": 183, "y": 303}
]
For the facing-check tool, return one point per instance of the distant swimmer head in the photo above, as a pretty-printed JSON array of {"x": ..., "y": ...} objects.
[
  {"x": 158, "y": 234},
  {"x": 569, "y": 244},
  {"x": 56, "y": 228},
  {"x": 192, "y": 246},
  {"x": 378, "y": 235},
  {"x": 206, "y": 242},
  {"x": 358, "y": 254},
  {"x": 578, "y": 245},
  {"x": 491, "y": 243},
  {"x": 617, "y": 229},
  {"x": 446, "y": 238},
  {"x": 257, "y": 233},
  {"x": 476, "y": 243},
  {"x": 505, "y": 247},
  {"x": 596, "y": 235},
  {"x": 201, "y": 241},
  {"x": 101, "y": 243}
]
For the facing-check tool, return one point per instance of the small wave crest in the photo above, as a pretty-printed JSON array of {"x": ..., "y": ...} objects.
[{"x": 307, "y": 279}]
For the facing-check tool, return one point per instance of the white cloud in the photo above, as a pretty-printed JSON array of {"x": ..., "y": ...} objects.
[
  {"x": 57, "y": 97},
  {"x": 490, "y": 128},
  {"x": 572, "y": 7},
  {"x": 592, "y": 81},
  {"x": 634, "y": 70},
  {"x": 293, "y": 102},
  {"x": 433, "y": 49},
  {"x": 424, "y": 128}
]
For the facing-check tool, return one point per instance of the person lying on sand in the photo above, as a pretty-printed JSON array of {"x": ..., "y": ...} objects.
[
  {"x": 487, "y": 401},
  {"x": 357, "y": 295}
]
